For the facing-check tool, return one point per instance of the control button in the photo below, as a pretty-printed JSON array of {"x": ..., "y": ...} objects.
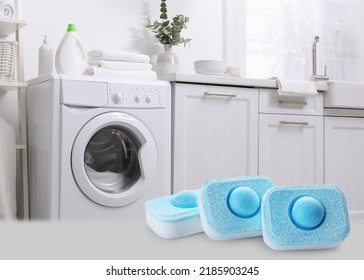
[
  {"x": 137, "y": 98},
  {"x": 148, "y": 99}
]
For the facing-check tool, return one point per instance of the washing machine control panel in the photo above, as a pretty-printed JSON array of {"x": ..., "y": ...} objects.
[{"x": 136, "y": 96}]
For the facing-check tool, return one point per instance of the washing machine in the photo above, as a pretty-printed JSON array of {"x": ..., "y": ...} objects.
[{"x": 98, "y": 148}]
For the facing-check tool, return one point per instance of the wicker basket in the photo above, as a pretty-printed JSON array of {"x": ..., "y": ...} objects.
[{"x": 8, "y": 52}]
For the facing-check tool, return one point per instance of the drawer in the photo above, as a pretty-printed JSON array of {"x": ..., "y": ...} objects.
[{"x": 271, "y": 102}]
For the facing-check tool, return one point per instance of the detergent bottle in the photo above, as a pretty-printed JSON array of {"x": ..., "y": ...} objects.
[
  {"x": 70, "y": 55},
  {"x": 45, "y": 58}
]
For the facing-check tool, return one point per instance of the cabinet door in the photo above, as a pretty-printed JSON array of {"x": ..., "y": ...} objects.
[
  {"x": 291, "y": 149},
  {"x": 344, "y": 158},
  {"x": 215, "y": 134}
]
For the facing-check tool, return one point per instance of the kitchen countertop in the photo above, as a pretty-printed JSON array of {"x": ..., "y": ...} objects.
[{"x": 230, "y": 81}]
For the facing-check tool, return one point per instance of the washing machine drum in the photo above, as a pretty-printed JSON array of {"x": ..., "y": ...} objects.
[{"x": 114, "y": 159}]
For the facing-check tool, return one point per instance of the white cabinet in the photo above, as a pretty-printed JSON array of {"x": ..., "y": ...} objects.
[
  {"x": 215, "y": 133},
  {"x": 291, "y": 149},
  {"x": 344, "y": 158},
  {"x": 291, "y": 143}
]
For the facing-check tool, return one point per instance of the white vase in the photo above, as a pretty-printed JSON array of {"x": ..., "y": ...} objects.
[{"x": 167, "y": 62}]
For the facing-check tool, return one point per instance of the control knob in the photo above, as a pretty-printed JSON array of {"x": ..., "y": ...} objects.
[
  {"x": 117, "y": 97},
  {"x": 137, "y": 98},
  {"x": 148, "y": 99}
]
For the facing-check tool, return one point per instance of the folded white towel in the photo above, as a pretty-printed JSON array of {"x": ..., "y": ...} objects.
[
  {"x": 7, "y": 171},
  {"x": 97, "y": 71},
  {"x": 120, "y": 65},
  {"x": 114, "y": 54},
  {"x": 295, "y": 88}
]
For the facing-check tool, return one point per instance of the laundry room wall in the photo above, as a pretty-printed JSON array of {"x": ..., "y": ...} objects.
[{"x": 121, "y": 24}]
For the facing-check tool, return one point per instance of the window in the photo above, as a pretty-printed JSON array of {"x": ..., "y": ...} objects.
[{"x": 278, "y": 37}]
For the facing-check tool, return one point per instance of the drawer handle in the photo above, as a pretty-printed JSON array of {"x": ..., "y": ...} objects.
[
  {"x": 286, "y": 123},
  {"x": 230, "y": 95},
  {"x": 291, "y": 102}
]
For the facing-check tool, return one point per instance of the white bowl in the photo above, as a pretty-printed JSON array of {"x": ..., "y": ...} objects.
[{"x": 209, "y": 66}]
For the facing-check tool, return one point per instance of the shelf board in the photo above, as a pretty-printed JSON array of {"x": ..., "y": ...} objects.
[
  {"x": 10, "y": 26},
  {"x": 12, "y": 86}
]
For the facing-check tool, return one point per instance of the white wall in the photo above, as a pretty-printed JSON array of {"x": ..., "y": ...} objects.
[{"x": 121, "y": 24}]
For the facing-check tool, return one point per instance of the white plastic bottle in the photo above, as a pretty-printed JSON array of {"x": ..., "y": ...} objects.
[
  {"x": 70, "y": 56},
  {"x": 45, "y": 58}
]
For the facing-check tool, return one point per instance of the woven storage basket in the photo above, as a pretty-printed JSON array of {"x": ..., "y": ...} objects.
[{"x": 8, "y": 52}]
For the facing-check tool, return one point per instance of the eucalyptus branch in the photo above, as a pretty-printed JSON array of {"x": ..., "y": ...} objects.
[{"x": 169, "y": 32}]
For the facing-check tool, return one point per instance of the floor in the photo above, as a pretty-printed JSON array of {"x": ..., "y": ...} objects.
[{"x": 134, "y": 240}]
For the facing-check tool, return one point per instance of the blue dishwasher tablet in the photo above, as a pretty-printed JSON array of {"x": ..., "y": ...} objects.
[
  {"x": 304, "y": 217},
  {"x": 174, "y": 216},
  {"x": 230, "y": 208}
]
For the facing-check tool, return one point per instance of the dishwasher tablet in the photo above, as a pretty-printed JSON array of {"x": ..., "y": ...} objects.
[
  {"x": 304, "y": 217},
  {"x": 230, "y": 208},
  {"x": 174, "y": 216}
]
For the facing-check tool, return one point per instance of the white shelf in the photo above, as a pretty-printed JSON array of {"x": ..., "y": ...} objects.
[
  {"x": 12, "y": 86},
  {"x": 10, "y": 26}
]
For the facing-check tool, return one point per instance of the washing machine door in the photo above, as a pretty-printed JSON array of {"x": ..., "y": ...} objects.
[{"x": 114, "y": 159}]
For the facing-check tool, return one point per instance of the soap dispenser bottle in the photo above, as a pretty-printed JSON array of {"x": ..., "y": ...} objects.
[
  {"x": 45, "y": 58},
  {"x": 70, "y": 55}
]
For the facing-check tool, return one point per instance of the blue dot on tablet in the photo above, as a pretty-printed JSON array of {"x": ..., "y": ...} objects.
[
  {"x": 185, "y": 199},
  {"x": 244, "y": 202},
  {"x": 307, "y": 212}
]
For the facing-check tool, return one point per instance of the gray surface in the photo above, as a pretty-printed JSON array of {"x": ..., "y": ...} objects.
[{"x": 134, "y": 240}]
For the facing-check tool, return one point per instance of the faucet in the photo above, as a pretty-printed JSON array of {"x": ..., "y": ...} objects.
[{"x": 314, "y": 76}]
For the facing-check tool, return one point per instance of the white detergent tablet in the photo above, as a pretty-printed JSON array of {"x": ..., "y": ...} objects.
[{"x": 174, "y": 216}]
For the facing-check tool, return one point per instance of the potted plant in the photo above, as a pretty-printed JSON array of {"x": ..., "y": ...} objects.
[{"x": 168, "y": 33}]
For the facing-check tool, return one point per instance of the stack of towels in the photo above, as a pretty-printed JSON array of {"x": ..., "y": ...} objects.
[
  {"x": 119, "y": 63},
  {"x": 6, "y": 10}
]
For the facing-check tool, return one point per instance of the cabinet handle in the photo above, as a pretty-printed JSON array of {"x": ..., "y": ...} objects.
[
  {"x": 291, "y": 102},
  {"x": 230, "y": 95},
  {"x": 286, "y": 123}
]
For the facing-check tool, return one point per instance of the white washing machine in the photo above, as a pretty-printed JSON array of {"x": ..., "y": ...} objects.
[{"x": 98, "y": 148}]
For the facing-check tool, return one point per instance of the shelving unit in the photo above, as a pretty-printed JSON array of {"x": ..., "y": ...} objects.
[{"x": 10, "y": 27}]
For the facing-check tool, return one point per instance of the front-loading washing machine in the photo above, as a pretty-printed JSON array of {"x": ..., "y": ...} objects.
[{"x": 98, "y": 148}]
